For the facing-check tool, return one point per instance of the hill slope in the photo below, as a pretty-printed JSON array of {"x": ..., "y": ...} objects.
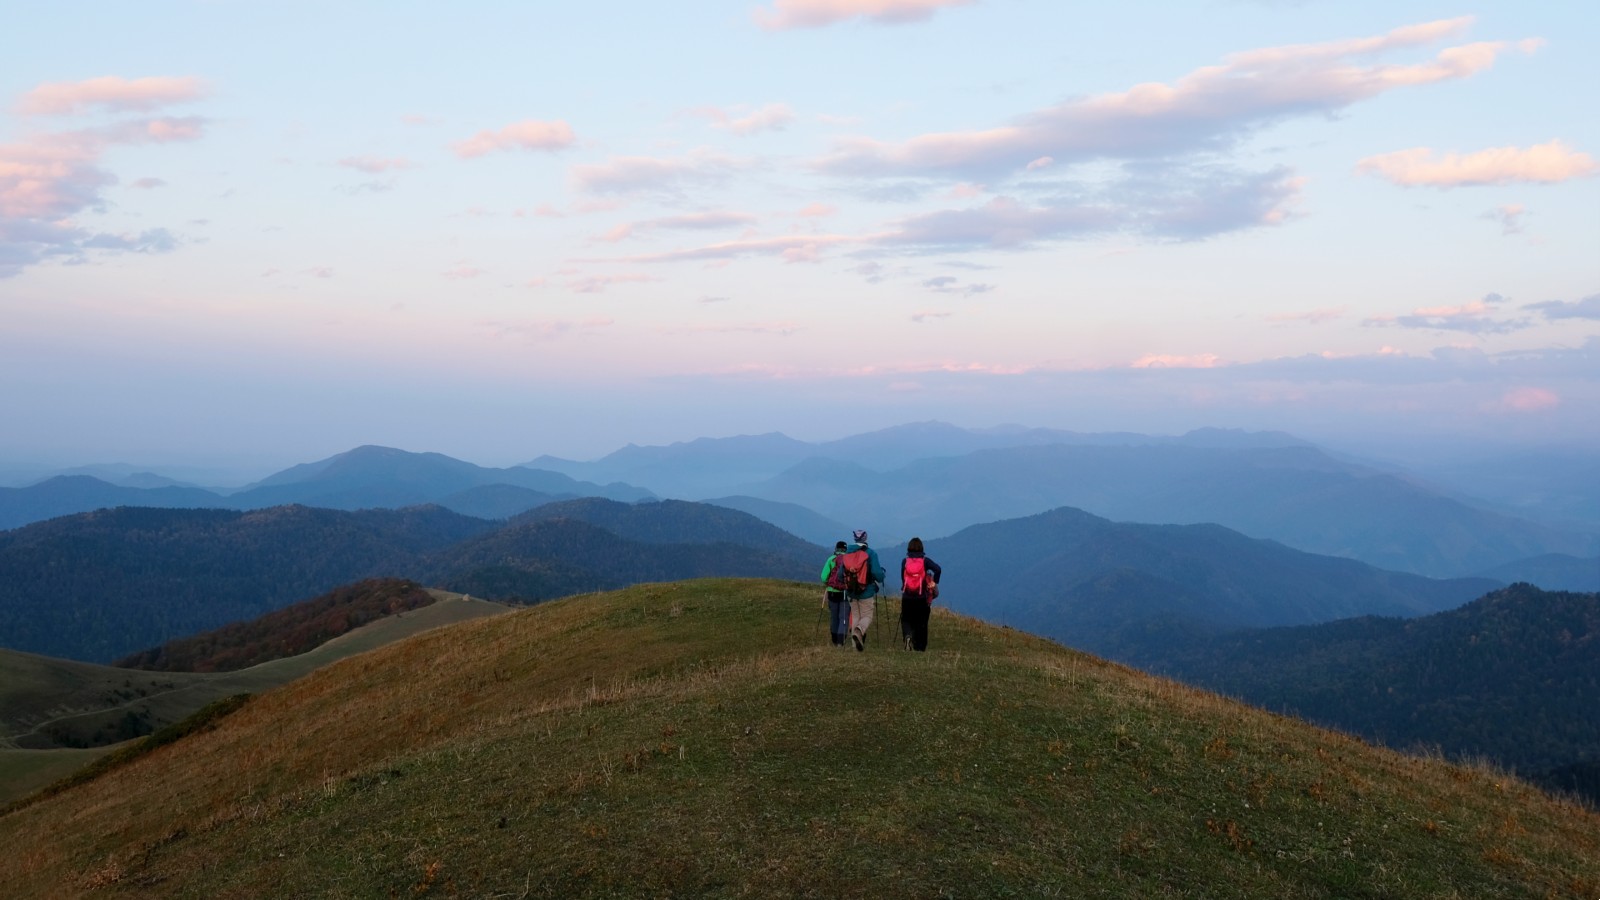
[
  {"x": 692, "y": 739},
  {"x": 1512, "y": 676}
]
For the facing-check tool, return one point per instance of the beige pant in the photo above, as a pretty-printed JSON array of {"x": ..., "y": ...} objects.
[{"x": 861, "y": 615}]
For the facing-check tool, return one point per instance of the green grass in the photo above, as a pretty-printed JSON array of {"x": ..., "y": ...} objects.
[{"x": 699, "y": 739}]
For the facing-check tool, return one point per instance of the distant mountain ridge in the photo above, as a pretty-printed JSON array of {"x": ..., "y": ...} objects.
[
  {"x": 1133, "y": 592},
  {"x": 1296, "y": 495},
  {"x": 1511, "y": 676},
  {"x": 367, "y": 477},
  {"x": 97, "y": 586}
]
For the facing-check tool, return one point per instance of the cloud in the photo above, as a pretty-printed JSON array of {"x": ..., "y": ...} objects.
[
  {"x": 595, "y": 284},
  {"x": 548, "y": 329},
  {"x": 527, "y": 135},
  {"x": 1207, "y": 109},
  {"x": 374, "y": 165},
  {"x": 1313, "y": 317},
  {"x": 772, "y": 117},
  {"x": 462, "y": 271},
  {"x": 703, "y": 221},
  {"x": 1587, "y": 308},
  {"x": 1168, "y": 361},
  {"x": 1509, "y": 216},
  {"x": 926, "y": 315},
  {"x": 1540, "y": 164},
  {"x": 1525, "y": 400},
  {"x": 948, "y": 284},
  {"x": 787, "y": 14},
  {"x": 651, "y": 174},
  {"x": 318, "y": 271},
  {"x": 145, "y": 184},
  {"x": 48, "y": 179},
  {"x": 782, "y": 329},
  {"x": 110, "y": 94},
  {"x": 1469, "y": 318},
  {"x": 817, "y": 211}
]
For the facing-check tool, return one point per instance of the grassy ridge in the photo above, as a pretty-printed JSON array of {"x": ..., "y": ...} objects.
[{"x": 698, "y": 739}]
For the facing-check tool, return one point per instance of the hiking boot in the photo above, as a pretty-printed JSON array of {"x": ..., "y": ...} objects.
[{"x": 861, "y": 643}]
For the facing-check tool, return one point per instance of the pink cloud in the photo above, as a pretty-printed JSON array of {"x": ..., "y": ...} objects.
[
  {"x": 817, "y": 211},
  {"x": 595, "y": 284},
  {"x": 1541, "y": 164},
  {"x": 786, "y": 14},
  {"x": 1524, "y": 400},
  {"x": 633, "y": 174},
  {"x": 376, "y": 165},
  {"x": 1509, "y": 215},
  {"x": 47, "y": 179},
  {"x": 109, "y": 93},
  {"x": 145, "y": 184},
  {"x": 1169, "y": 361},
  {"x": 1210, "y": 106},
  {"x": 528, "y": 135},
  {"x": 463, "y": 271},
  {"x": 689, "y": 222}
]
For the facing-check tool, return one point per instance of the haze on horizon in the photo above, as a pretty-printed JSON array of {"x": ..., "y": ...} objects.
[{"x": 260, "y": 234}]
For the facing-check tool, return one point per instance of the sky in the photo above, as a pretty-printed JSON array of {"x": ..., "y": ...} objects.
[{"x": 237, "y": 233}]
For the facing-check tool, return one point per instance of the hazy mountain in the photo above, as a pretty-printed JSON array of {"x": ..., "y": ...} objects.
[
  {"x": 690, "y": 469},
  {"x": 707, "y": 467},
  {"x": 363, "y": 478},
  {"x": 1512, "y": 676},
  {"x": 1552, "y": 571},
  {"x": 1135, "y": 591},
  {"x": 497, "y": 501},
  {"x": 1297, "y": 495},
  {"x": 535, "y": 559},
  {"x": 369, "y": 477},
  {"x": 98, "y": 586},
  {"x": 677, "y": 522},
  {"x": 1558, "y": 486},
  {"x": 67, "y": 494},
  {"x": 791, "y": 517}
]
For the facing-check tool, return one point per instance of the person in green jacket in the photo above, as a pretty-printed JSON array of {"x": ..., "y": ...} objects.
[{"x": 834, "y": 599}]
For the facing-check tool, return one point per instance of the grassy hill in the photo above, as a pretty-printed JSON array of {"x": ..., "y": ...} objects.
[
  {"x": 698, "y": 739},
  {"x": 57, "y": 715}
]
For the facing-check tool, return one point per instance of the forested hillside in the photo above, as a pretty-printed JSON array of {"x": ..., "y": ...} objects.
[
  {"x": 290, "y": 631},
  {"x": 1512, "y": 677}
]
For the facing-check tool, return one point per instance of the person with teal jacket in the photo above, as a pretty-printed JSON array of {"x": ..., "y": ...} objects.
[
  {"x": 862, "y": 600},
  {"x": 838, "y": 606}
]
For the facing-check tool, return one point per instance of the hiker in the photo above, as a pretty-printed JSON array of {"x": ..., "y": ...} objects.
[
  {"x": 919, "y": 584},
  {"x": 833, "y": 575},
  {"x": 865, "y": 576}
]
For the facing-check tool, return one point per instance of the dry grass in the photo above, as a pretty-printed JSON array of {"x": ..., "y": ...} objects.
[{"x": 698, "y": 739}]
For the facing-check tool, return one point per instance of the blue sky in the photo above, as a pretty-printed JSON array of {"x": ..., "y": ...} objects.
[{"x": 255, "y": 234}]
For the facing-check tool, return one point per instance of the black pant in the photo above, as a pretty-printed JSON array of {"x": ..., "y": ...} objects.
[{"x": 914, "y": 610}]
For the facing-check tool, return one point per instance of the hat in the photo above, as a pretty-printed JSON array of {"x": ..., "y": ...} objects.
[
  {"x": 839, "y": 546},
  {"x": 859, "y": 535}
]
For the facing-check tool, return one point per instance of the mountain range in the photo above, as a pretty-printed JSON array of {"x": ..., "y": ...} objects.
[
  {"x": 1136, "y": 592},
  {"x": 367, "y": 477},
  {"x": 1511, "y": 677},
  {"x": 97, "y": 586}
]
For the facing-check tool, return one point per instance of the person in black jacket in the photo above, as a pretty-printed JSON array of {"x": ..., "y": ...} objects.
[{"x": 919, "y": 577}]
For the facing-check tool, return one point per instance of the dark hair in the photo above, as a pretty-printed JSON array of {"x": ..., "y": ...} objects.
[
  {"x": 839, "y": 546},
  {"x": 914, "y": 546}
]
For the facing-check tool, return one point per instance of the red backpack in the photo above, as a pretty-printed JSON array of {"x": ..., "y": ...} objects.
[
  {"x": 838, "y": 580},
  {"x": 857, "y": 570},
  {"x": 914, "y": 575}
]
